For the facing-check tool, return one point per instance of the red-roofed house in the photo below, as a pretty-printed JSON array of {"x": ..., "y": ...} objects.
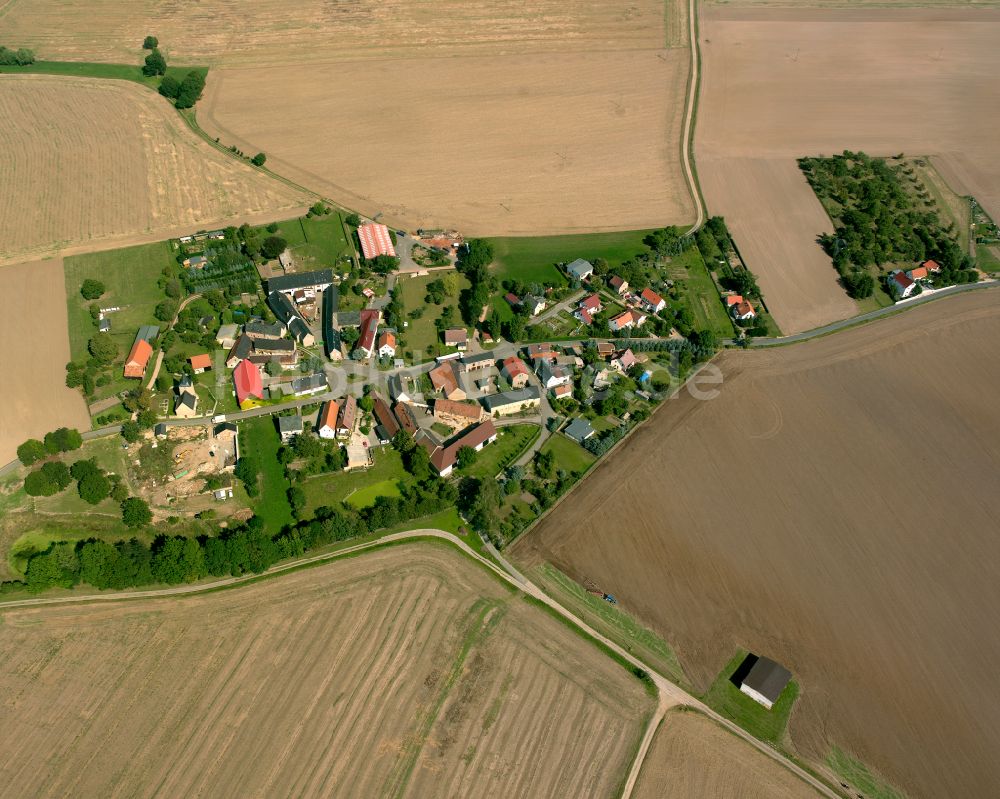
[
  {"x": 375, "y": 241},
  {"x": 591, "y": 303},
  {"x": 444, "y": 380},
  {"x": 516, "y": 372},
  {"x": 369, "y": 327},
  {"x": 326, "y": 424},
  {"x": 654, "y": 302},
  {"x": 619, "y": 285},
  {"x": 387, "y": 345},
  {"x": 743, "y": 311},
  {"x": 626, "y": 320},
  {"x": 444, "y": 458},
  {"x": 901, "y": 285},
  {"x": 931, "y": 266},
  {"x": 919, "y": 273},
  {"x": 348, "y": 415},
  {"x": 138, "y": 359},
  {"x": 624, "y": 361},
  {"x": 201, "y": 363},
  {"x": 584, "y": 316},
  {"x": 249, "y": 388},
  {"x": 733, "y": 299}
]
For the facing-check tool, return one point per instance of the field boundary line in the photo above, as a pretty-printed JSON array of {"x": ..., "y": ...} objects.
[{"x": 690, "y": 119}]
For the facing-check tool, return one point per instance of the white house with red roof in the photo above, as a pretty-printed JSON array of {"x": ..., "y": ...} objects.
[
  {"x": 626, "y": 320},
  {"x": 743, "y": 311},
  {"x": 902, "y": 285},
  {"x": 619, "y": 285},
  {"x": 375, "y": 240},
  {"x": 652, "y": 301},
  {"x": 369, "y": 327},
  {"x": 623, "y": 361},
  {"x": 387, "y": 345}
]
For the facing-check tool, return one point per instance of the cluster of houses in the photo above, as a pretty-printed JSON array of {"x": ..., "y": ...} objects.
[
  {"x": 905, "y": 284},
  {"x": 638, "y": 306}
]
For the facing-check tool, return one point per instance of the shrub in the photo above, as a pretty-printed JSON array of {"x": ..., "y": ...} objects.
[
  {"x": 189, "y": 92},
  {"x": 31, "y": 451},
  {"x": 259, "y": 159},
  {"x": 150, "y": 43},
  {"x": 20, "y": 57},
  {"x": 63, "y": 440},
  {"x": 155, "y": 64},
  {"x": 94, "y": 487},
  {"x": 135, "y": 512},
  {"x": 91, "y": 289},
  {"x": 273, "y": 246}
]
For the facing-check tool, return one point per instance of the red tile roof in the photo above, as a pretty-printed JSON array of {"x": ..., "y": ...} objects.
[
  {"x": 918, "y": 274},
  {"x": 328, "y": 416},
  {"x": 387, "y": 338},
  {"x": 375, "y": 240},
  {"x": 443, "y": 378},
  {"x": 348, "y": 413},
  {"x": 902, "y": 280},
  {"x": 651, "y": 297},
  {"x": 733, "y": 299},
  {"x": 745, "y": 309},
  {"x": 932, "y": 266},
  {"x": 384, "y": 415},
  {"x": 515, "y": 366},
  {"x": 468, "y": 410},
  {"x": 246, "y": 376},
  {"x": 443, "y": 457},
  {"x": 138, "y": 357},
  {"x": 456, "y": 335},
  {"x": 203, "y": 361},
  {"x": 591, "y": 303},
  {"x": 369, "y": 326}
]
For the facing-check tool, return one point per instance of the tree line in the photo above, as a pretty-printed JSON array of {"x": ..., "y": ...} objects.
[
  {"x": 16, "y": 58},
  {"x": 185, "y": 92}
]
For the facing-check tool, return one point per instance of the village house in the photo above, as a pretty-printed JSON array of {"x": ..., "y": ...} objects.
[
  {"x": 444, "y": 379},
  {"x": 626, "y": 320},
  {"x": 652, "y": 301},
  {"x": 326, "y": 424},
  {"x": 398, "y": 388},
  {"x": 562, "y": 391},
  {"x": 580, "y": 269},
  {"x": 537, "y": 352},
  {"x": 475, "y": 363},
  {"x": 918, "y": 273},
  {"x": 289, "y": 427},
  {"x": 765, "y": 680},
  {"x": 579, "y": 430},
  {"x": 512, "y": 299},
  {"x": 300, "y": 332},
  {"x": 255, "y": 330},
  {"x": 443, "y": 459},
  {"x": 457, "y": 337},
  {"x": 931, "y": 266},
  {"x": 348, "y": 416},
  {"x": 510, "y": 402},
  {"x": 551, "y": 376},
  {"x": 515, "y": 371},
  {"x": 186, "y": 401},
  {"x": 226, "y": 336},
  {"x": 200, "y": 363},
  {"x": 591, "y": 304},
  {"x": 311, "y": 384},
  {"x": 387, "y": 426},
  {"x": 138, "y": 359},
  {"x": 605, "y": 349},
  {"x": 901, "y": 284},
  {"x": 743, "y": 311},
  {"x": 457, "y": 414},
  {"x": 375, "y": 241},
  {"x": 196, "y": 262},
  {"x": 535, "y": 305},
  {"x": 365, "y": 345},
  {"x": 387, "y": 345},
  {"x": 406, "y": 418},
  {"x": 620, "y": 286},
  {"x": 310, "y": 282},
  {"x": 623, "y": 361},
  {"x": 248, "y": 383}
]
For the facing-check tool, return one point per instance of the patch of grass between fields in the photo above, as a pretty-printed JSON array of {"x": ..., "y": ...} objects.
[
  {"x": 87, "y": 69},
  {"x": 860, "y": 777},
  {"x": 259, "y": 439},
  {"x": 768, "y": 725}
]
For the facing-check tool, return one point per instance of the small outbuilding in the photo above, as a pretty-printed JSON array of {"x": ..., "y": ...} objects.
[{"x": 762, "y": 679}]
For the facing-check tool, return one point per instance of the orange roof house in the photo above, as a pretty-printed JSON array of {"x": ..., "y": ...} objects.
[
  {"x": 931, "y": 266},
  {"x": 249, "y": 387},
  {"x": 201, "y": 363},
  {"x": 375, "y": 241},
  {"x": 919, "y": 273},
  {"x": 138, "y": 359},
  {"x": 444, "y": 380},
  {"x": 733, "y": 299}
]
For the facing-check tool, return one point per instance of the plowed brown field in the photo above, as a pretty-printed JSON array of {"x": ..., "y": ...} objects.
[
  {"x": 98, "y": 161},
  {"x": 692, "y": 757},
  {"x": 32, "y": 359},
  {"x": 404, "y": 672},
  {"x": 780, "y": 83},
  {"x": 836, "y": 508}
]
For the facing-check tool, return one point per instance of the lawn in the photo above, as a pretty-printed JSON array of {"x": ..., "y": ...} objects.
[
  {"x": 85, "y": 69},
  {"x": 568, "y": 454},
  {"x": 700, "y": 292},
  {"x": 726, "y": 698},
  {"x": 421, "y": 336},
  {"x": 510, "y": 443},
  {"x": 130, "y": 278},
  {"x": 317, "y": 242},
  {"x": 259, "y": 439},
  {"x": 533, "y": 259},
  {"x": 361, "y": 486}
]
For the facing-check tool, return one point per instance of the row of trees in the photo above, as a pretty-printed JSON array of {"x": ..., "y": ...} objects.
[
  {"x": 65, "y": 439},
  {"x": 16, "y": 58},
  {"x": 185, "y": 92}
]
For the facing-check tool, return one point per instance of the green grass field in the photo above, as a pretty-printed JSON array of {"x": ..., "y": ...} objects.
[
  {"x": 86, "y": 69},
  {"x": 534, "y": 258},
  {"x": 421, "y": 336},
  {"x": 860, "y": 776},
  {"x": 701, "y": 294},
  {"x": 317, "y": 242},
  {"x": 727, "y": 699},
  {"x": 361, "y": 486},
  {"x": 129, "y": 276},
  {"x": 510, "y": 442},
  {"x": 568, "y": 454},
  {"x": 259, "y": 439}
]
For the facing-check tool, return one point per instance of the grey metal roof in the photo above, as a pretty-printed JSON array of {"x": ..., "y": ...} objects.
[
  {"x": 579, "y": 430},
  {"x": 767, "y": 678},
  {"x": 580, "y": 267},
  {"x": 349, "y": 319},
  {"x": 309, "y": 383},
  {"x": 298, "y": 328},
  {"x": 282, "y": 307},
  {"x": 290, "y": 424},
  {"x": 520, "y": 395},
  {"x": 147, "y": 333},
  {"x": 300, "y": 280},
  {"x": 478, "y": 358},
  {"x": 273, "y": 329}
]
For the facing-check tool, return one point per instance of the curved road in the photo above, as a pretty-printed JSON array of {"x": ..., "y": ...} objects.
[
  {"x": 669, "y": 695},
  {"x": 689, "y": 115}
]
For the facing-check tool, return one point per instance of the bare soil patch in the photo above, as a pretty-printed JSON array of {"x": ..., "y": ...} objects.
[
  {"x": 513, "y": 144},
  {"x": 834, "y": 508},
  {"x": 780, "y": 83},
  {"x": 98, "y": 161},
  {"x": 402, "y": 672},
  {"x": 33, "y": 356},
  {"x": 692, "y": 757}
]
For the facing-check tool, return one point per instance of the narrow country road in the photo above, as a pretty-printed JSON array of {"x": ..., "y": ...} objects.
[{"x": 669, "y": 695}]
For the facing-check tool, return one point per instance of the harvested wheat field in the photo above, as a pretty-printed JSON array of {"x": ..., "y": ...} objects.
[
  {"x": 401, "y": 672},
  {"x": 692, "y": 757},
  {"x": 96, "y": 161},
  {"x": 780, "y": 83},
  {"x": 516, "y": 144},
  {"x": 33, "y": 329},
  {"x": 835, "y": 508}
]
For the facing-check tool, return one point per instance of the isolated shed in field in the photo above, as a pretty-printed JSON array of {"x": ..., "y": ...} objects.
[{"x": 765, "y": 680}]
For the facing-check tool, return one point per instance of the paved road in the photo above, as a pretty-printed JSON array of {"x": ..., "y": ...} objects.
[
  {"x": 867, "y": 317},
  {"x": 562, "y": 305},
  {"x": 669, "y": 695}
]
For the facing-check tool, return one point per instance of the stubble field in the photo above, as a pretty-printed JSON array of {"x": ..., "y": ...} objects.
[
  {"x": 780, "y": 83},
  {"x": 692, "y": 757},
  {"x": 835, "y": 508},
  {"x": 92, "y": 162},
  {"x": 403, "y": 672},
  {"x": 36, "y": 348}
]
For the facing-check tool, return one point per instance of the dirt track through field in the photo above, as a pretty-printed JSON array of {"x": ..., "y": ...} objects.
[
  {"x": 393, "y": 673},
  {"x": 105, "y": 161},
  {"x": 780, "y": 83},
  {"x": 835, "y": 508},
  {"x": 33, "y": 356},
  {"x": 692, "y": 757}
]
